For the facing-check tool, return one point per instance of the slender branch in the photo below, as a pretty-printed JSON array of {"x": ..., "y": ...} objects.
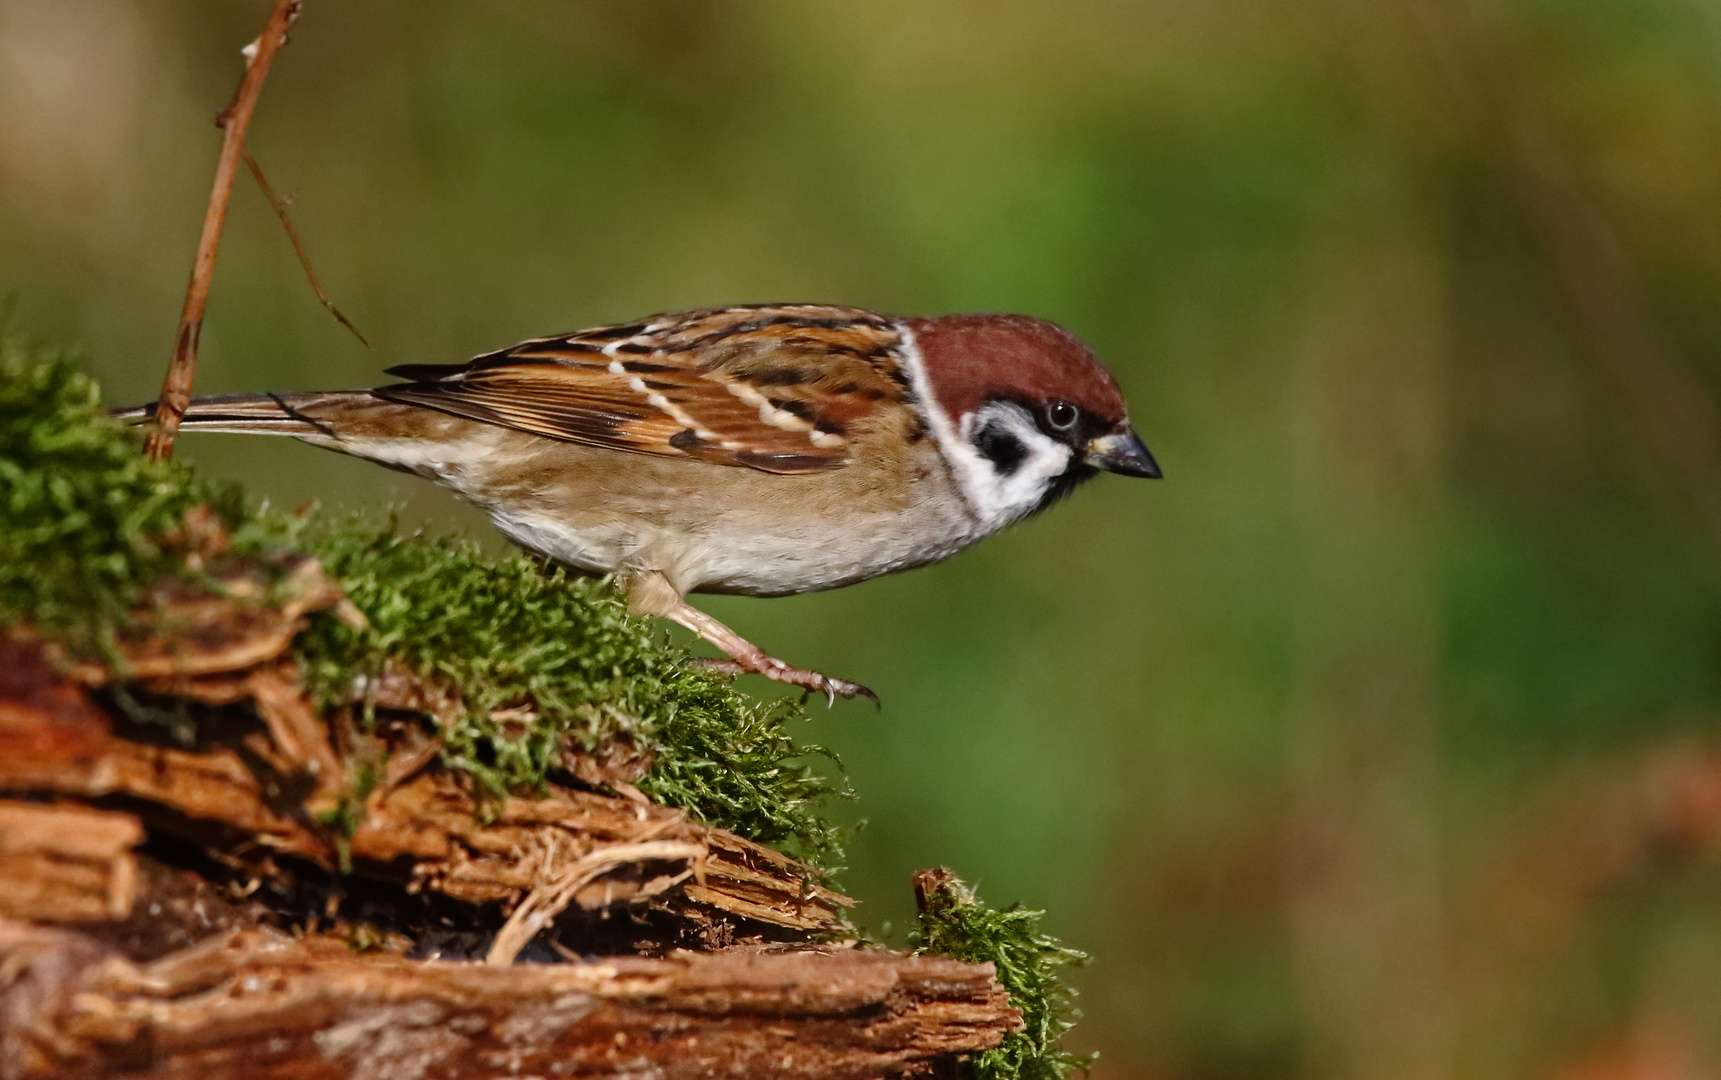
[
  {"x": 280, "y": 207},
  {"x": 234, "y": 120}
]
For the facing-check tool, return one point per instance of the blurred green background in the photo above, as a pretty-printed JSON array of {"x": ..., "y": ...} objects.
[{"x": 1377, "y": 741}]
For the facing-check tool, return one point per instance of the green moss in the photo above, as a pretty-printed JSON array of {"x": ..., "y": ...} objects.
[
  {"x": 86, "y": 529},
  {"x": 85, "y": 521},
  {"x": 954, "y": 923},
  {"x": 563, "y": 653}
]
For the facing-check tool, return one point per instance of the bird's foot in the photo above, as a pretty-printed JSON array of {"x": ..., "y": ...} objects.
[
  {"x": 812, "y": 682},
  {"x": 650, "y": 593}
]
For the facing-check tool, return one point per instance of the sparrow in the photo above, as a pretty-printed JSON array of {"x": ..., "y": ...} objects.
[{"x": 761, "y": 450}]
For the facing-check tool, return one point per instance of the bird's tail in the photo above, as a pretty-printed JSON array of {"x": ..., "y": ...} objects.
[{"x": 301, "y": 415}]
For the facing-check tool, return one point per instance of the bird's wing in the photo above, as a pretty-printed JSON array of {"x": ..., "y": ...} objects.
[{"x": 779, "y": 389}]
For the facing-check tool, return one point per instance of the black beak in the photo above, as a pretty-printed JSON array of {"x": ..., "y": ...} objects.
[{"x": 1123, "y": 453}]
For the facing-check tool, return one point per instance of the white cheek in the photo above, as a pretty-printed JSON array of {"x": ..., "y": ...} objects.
[
  {"x": 1006, "y": 497},
  {"x": 995, "y": 499}
]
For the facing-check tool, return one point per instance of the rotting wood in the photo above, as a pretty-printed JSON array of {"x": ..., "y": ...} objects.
[
  {"x": 53, "y": 740},
  {"x": 206, "y": 978},
  {"x": 66, "y": 863},
  {"x": 199, "y": 979},
  {"x": 255, "y": 1005},
  {"x": 239, "y": 617},
  {"x": 194, "y": 910}
]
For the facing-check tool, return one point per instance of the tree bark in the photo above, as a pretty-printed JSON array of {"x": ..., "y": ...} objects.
[
  {"x": 202, "y": 903},
  {"x": 257, "y": 1005}
]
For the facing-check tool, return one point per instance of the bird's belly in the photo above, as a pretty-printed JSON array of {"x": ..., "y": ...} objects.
[
  {"x": 768, "y": 565},
  {"x": 720, "y": 528},
  {"x": 600, "y": 550},
  {"x": 737, "y": 557}
]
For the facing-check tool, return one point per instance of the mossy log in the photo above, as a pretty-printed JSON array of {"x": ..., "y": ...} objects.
[
  {"x": 424, "y": 829},
  {"x": 230, "y": 903}
]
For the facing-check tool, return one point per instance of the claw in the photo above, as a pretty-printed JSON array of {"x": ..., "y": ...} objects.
[{"x": 835, "y": 688}]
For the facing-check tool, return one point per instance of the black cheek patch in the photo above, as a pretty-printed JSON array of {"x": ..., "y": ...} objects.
[{"x": 1004, "y": 450}]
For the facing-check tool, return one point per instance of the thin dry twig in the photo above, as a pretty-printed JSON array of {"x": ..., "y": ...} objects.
[
  {"x": 280, "y": 207},
  {"x": 551, "y": 898},
  {"x": 234, "y": 120}
]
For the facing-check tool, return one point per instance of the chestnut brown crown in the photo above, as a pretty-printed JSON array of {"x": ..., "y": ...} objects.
[{"x": 973, "y": 359}]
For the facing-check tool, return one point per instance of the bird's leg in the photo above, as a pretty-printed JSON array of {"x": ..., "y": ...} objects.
[
  {"x": 744, "y": 656},
  {"x": 650, "y": 593}
]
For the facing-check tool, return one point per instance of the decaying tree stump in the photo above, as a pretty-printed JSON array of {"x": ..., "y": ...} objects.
[
  {"x": 222, "y": 900},
  {"x": 261, "y": 1005}
]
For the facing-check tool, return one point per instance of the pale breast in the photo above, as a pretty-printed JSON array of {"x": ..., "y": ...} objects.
[{"x": 717, "y": 528}]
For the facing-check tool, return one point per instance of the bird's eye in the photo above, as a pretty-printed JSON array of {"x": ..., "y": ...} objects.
[{"x": 1062, "y": 415}]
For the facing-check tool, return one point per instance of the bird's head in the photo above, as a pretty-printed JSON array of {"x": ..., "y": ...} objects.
[{"x": 1023, "y": 411}]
